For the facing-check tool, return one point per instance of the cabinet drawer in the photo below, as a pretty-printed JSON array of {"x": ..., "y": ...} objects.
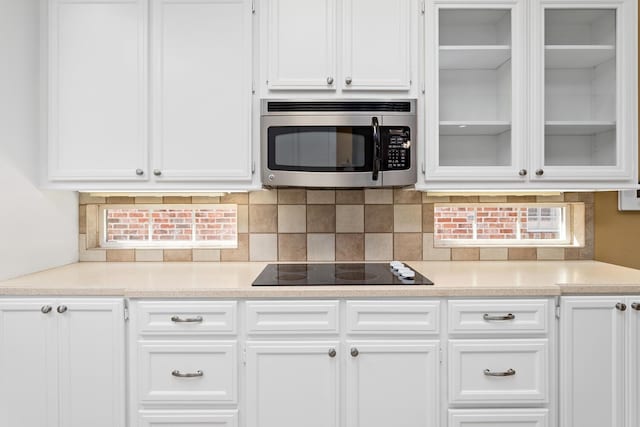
[
  {"x": 501, "y": 417},
  {"x": 188, "y": 418},
  {"x": 498, "y": 371},
  {"x": 389, "y": 317},
  {"x": 186, "y": 317},
  {"x": 188, "y": 371},
  {"x": 498, "y": 316},
  {"x": 309, "y": 317}
]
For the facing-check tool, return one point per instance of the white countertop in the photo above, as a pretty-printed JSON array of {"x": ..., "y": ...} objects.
[{"x": 233, "y": 280}]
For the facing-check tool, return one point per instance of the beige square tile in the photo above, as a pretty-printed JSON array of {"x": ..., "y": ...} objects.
[
  {"x": 494, "y": 254},
  {"x": 92, "y": 227},
  {"x": 292, "y": 247},
  {"x": 321, "y": 197},
  {"x": 492, "y": 199},
  {"x": 350, "y": 247},
  {"x": 87, "y": 199},
  {"x": 321, "y": 247},
  {"x": 82, "y": 242},
  {"x": 349, "y": 197},
  {"x": 378, "y": 218},
  {"x": 465, "y": 254},
  {"x": 292, "y": 218},
  {"x": 237, "y": 198},
  {"x": 403, "y": 196},
  {"x": 321, "y": 218},
  {"x": 264, "y": 197},
  {"x": 407, "y": 218},
  {"x": 378, "y": 196},
  {"x": 523, "y": 254},
  {"x": 550, "y": 254},
  {"x": 148, "y": 200},
  {"x": 206, "y": 255},
  {"x": 407, "y": 246},
  {"x": 178, "y": 255},
  {"x": 120, "y": 200},
  {"x": 296, "y": 196},
  {"x": 93, "y": 255},
  {"x": 579, "y": 197},
  {"x": 82, "y": 219},
  {"x": 349, "y": 218},
  {"x": 427, "y": 218},
  {"x": 241, "y": 253},
  {"x": 427, "y": 198},
  {"x": 378, "y": 246},
  {"x": 205, "y": 200},
  {"x": 464, "y": 199},
  {"x": 149, "y": 255},
  {"x": 263, "y": 218},
  {"x": 521, "y": 199},
  {"x": 176, "y": 200},
  {"x": 559, "y": 198},
  {"x": 429, "y": 253},
  {"x": 263, "y": 247},
  {"x": 121, "y": 255},
  {"x": 243, "y": 219}
]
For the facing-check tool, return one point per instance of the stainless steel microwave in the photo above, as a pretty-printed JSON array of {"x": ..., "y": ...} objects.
[{"x": 338, "y": 143}]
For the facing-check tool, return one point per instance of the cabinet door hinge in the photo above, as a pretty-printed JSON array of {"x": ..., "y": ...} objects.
[
  {"x": 422, "y": 7},
  {"x": 126, "y": 313},
  {"x": 558, "y": 310},
  {"x": 422, "y": 167},
  {"x": 253, "y": 6},
  {"x": 440, "y": 355},
  {"x": 253, "y": 168},
  {"x": 244, "y": 356}
]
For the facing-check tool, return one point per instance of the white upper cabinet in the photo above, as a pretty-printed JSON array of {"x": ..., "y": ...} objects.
[
  {"x": 201, "y": 79},
  {"x": 325, "y": 48},
  {"x": 475, "y": 55},
  {"x": 97, "y": 90},
  {"x": 584, "y": 75}
]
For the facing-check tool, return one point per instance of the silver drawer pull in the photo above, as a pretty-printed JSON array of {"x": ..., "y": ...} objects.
[
  {"x": 505, "y": 317},
  {"x": 508, "y": 373},
  {"x": 178, "y": 319},
  {"x": 179, "y": 374}
]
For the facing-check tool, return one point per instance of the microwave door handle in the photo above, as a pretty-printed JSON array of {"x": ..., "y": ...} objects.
[{"x": 376, "y": 148}]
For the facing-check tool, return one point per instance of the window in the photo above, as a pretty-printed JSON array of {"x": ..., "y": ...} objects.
[
  {"x": 496, "y": 224},
  {"x": 169, "y": 226}
]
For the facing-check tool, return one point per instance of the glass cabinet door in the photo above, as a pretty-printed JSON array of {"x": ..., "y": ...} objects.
[
  {"x": 581, "y": 131},
  {"x": 474, "y": 99}
]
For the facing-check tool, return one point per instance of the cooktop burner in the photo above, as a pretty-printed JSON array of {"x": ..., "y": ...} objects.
[{"x": 336, "y": 274}]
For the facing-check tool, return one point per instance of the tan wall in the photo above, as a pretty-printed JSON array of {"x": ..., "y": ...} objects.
[{"x": 617, "y": 237}]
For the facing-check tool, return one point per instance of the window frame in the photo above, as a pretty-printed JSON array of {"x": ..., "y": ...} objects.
[{"x": 163, "y": 244}]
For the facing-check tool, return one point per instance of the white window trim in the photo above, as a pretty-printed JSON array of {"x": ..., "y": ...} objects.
[
  {"x": 162, "y": 244},
  {"x": 574, "y": 228}
]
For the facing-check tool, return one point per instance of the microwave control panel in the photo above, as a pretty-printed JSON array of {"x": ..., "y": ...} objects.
[{"x": 396, "y": 149}]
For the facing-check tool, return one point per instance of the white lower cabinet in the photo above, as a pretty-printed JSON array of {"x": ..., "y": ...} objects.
[
  {"x": 499, "y": 417},
  {"x": 63, "y": 362},
  {"x": 189, "y": 418}
]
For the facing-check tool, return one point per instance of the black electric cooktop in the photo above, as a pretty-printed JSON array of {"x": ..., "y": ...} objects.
[{"x": 334, "y": 274}]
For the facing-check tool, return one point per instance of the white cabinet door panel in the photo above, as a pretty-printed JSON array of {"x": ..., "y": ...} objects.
[
  {"x": 393, "y": 317},
  {"x": 201, "y": 77},
  {"x": 97, "y": 95},
  {"x": 188, "y": 419}
]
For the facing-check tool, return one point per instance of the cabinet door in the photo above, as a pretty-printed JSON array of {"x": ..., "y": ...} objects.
[
  {"x": 201, "y": 79},
  {"x": 392, "y": 384},
  {"x": 28, "y": 389},
  {"x": 475, "y": 69},
  {"x": 91, "y": 368},
  {"x": 292, "y": 384},
  {"x": 584, "y": 90},
  {"x": 633, "y": 358},
  {"x": 377, "y": 44},
  {"x": 591, "y": 362},
  {"x": 97, "y": 94},
  {"x": 299, "y": 37},
  {"x": 188, "y": 418}
]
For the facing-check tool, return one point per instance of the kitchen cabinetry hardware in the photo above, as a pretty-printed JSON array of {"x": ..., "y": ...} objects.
[
  {"x": 139, "y": 172},
  {"x": 195, "y": 374},
  {"x": 508, "y": 316},
  {"x": 178, "y": 319},
  {"x": 46, "y": 309},
  {"x": 523, "y": 172},
  {"x": 539, "y": 172},
  {"x": 636, "y": 306},
  {"x": 354, "y": 352},
  {"x": 332, "y": 352},
  {"x": 507, "y": 373},
  {"x": 621, "y": 306},
  {"x": 329, "y": 80},
  {"x": 61, "y": 309},
  {"x": 157, "y": 172},
  {"x": 348, "y": 80}
]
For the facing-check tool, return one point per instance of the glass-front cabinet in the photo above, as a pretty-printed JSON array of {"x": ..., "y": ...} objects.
[
  {"x": 584, "y": 69},
  {"x": 474, "y": 92}
]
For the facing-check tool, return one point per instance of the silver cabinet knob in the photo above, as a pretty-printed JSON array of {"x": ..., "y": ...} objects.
[
  {"x": 636, "y": 306},
  {"x": 523, "y": 172},
  {"x": 621, "y": 306},
  {"x": 157, "y": 172},
  {"x": 271, "y": 177},
  {"x": 539, "y": 172},
  {"x": 332, "y": 352},
  {"x": 139, "y": 172},
  {"x": 62, "y": 309},
  {"x": 329, "y": 80},
  {"x": 354, "y": 352},
  {"x": 348, "y": 80},
  {"x": 46, "y": 309}
]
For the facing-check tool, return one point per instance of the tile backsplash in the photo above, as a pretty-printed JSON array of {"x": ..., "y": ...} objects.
[{"x": 329, "y": 225}]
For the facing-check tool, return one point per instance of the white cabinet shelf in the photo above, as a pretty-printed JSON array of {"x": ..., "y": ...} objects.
[
  {"x": 578, "y": 128},
  {"x": 474, "y": 57},
  {"x": 578, "y": 56},
  {"x": 474, "y": 128}
]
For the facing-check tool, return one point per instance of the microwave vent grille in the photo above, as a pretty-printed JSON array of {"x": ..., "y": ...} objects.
[{"x": 281, "y": 106}]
